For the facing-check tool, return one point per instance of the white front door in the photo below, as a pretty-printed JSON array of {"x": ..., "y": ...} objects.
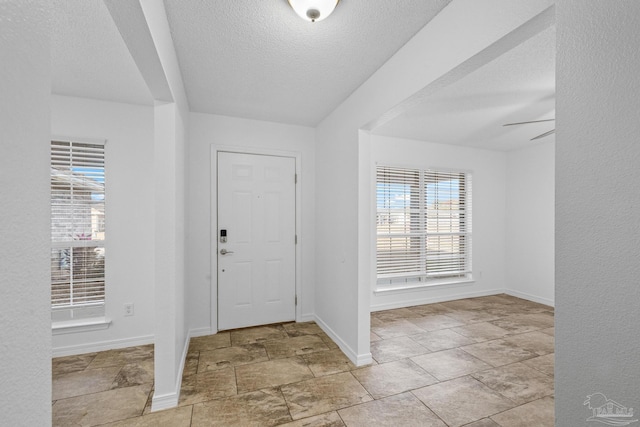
[{"x": 256, "y": 217}]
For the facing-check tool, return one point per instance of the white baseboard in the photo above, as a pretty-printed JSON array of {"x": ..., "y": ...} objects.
[
  {"x": 101, "y": 346},
  {"x": 306, "y": 318},
  {"x": 364, "y": 359},
  {"x": 431, "y": 300},
  {"x": 530, "y": 297},
  {"x": 166, "y": 401},
  {"x": 356, "y": 359},
  {"x": 170, "y": 400},
  {"x": 200, "y": 332}
]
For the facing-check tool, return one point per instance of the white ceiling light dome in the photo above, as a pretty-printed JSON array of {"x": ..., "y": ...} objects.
[{"x": 313, "y": 10}]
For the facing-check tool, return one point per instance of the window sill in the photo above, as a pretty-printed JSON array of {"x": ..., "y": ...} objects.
[
  {"x": 80, "y": 325},
  {"x": 390, "y": 289}
]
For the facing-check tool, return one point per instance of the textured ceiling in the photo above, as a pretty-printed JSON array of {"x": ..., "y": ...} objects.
[
  {"x": 89, "y": 58},
  {"x": 517, "y": 86},
  {"x": 258, "y": 59}
]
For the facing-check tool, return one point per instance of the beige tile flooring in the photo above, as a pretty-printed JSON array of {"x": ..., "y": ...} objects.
[{"x": 481, "y": 362}]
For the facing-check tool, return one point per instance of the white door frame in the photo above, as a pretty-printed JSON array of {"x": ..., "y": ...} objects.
[{"x": 213, "y": 237}]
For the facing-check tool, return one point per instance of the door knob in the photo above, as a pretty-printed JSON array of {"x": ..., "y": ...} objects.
[{"x": 224, "y": 252}]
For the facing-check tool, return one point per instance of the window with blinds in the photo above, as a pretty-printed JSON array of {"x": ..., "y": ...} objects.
[
  {"x": 423, "y": 225},
  {"x": 77, "y": 224}
]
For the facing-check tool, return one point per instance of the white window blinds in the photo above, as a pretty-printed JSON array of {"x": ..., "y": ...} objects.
[
  {"x": 77, "y": 224},
  {"x": 423, "y": 224}
]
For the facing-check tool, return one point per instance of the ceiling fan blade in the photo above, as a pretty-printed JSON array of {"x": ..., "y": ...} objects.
[
  {"x": 551, "y": 132},
  {"x": 532, "y": 121}
]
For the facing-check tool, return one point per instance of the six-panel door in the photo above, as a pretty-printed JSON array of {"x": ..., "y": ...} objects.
[{"x": 256, "y": 264}]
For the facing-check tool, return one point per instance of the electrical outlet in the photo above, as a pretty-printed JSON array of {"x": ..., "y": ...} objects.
[{"x": 128, "y": 309}]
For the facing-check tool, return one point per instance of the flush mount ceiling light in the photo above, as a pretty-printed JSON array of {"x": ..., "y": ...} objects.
[{"x": 313, "y": 10}]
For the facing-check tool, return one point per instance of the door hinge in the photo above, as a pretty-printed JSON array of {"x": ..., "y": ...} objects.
[
  {"x": 296, "y": 299},
  {"x": 295, "y": 178}
]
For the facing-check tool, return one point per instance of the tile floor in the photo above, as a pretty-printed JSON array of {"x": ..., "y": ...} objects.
[{"x": 481, "y": 362}]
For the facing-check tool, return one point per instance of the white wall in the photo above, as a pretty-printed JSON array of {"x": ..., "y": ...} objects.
[
  {"x": 530, "y": 223},
  {"x": 128, "y": 130},
  {"x": 343, "y": 254},
  {"x": 204, "y": 131},
  {"x": 488, "y": 169},
  {"x": 171, "y": 335},
  {"x": 145, "y": 29},
  {"x": 25, "y": 299},
  {"x": 597, "y": 206}
]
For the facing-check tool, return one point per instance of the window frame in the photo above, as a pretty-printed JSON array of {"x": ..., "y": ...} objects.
[
  {"x": 412, "y": 279},
  {"x": 66, "y": 313}
]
